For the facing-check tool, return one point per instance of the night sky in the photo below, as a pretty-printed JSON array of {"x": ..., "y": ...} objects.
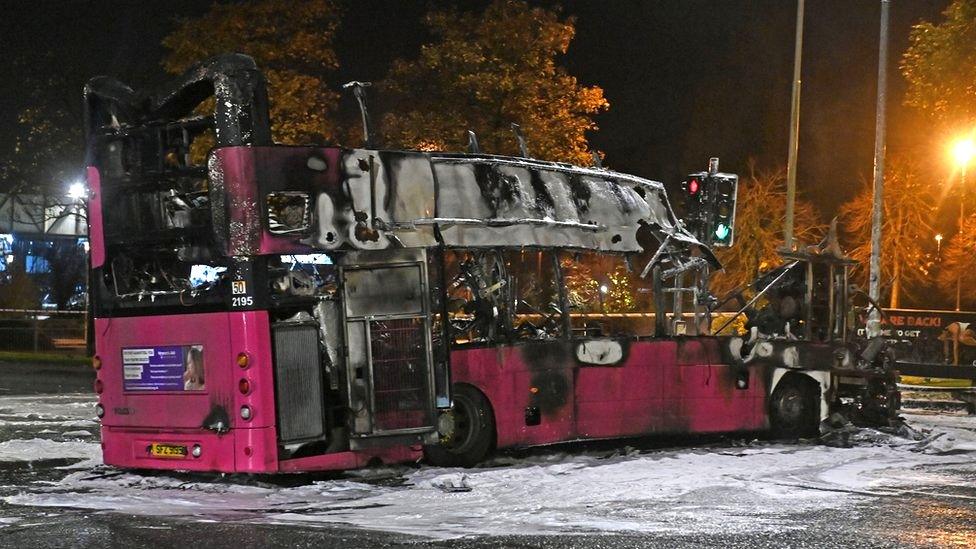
[{"x": 686, "y": 79}]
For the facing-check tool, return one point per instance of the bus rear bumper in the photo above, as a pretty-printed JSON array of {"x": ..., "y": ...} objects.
[{"x": 237, "y": 451}]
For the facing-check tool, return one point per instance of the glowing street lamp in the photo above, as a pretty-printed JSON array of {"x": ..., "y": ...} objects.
[
  {"x": 963, "y": 151},
  {"x": 77, "y": 190},
  {"x": 938, "y": 243}
]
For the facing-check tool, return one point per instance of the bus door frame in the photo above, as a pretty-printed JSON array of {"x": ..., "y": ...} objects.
[{"x": 374, "y": 261}]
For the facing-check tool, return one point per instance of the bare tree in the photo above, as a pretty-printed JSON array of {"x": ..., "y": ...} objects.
[
  {"x": 908, "y": 215},
  {"x": 760, "y": 211},
  {"x": 958, "y": 262}
]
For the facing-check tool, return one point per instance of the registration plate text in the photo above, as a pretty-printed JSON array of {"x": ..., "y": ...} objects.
[{"x": 167, "y": 450}]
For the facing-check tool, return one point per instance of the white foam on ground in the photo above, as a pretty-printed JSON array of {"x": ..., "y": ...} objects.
[
  {"x": 75, "y": 410},
  {"x": 77, "y": 434},
  {"x": 721, "y": 489},
  {"x": 39, "y": 449}
]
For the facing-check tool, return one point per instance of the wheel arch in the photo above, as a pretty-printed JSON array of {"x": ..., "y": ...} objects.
[
  {"x": 491, "y": 407},
  {"x": 819, "y": 379}
]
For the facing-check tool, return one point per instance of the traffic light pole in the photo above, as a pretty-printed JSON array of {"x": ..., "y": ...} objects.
[{"x": 874, "y": 288}]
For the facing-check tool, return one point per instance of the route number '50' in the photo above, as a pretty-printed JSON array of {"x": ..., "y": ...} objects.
[{"x": 246, "y": 301}]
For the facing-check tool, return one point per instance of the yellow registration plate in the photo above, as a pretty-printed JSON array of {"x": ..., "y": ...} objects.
[{"x": 167, "y": 450}]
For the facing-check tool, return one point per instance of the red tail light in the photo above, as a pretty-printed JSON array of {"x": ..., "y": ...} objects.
[
  {"x": 99, "y": 387},
  {"x": 244, "y": 386}
]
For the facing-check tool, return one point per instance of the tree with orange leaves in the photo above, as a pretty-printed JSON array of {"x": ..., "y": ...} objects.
[
  {"x": 760, "y": 211},
  {"x": 907, "y": 223},
  {"x": 484, "y": 71},
  {"x": 291, "y": 43}
]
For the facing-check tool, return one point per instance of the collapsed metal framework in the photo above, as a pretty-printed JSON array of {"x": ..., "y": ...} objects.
[{"x": 336, "y": 200}]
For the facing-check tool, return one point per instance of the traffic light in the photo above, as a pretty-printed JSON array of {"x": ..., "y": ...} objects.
[
  {"x": 709, "y": 199},
  {"x": 724, "y": 187},
  {"x": 694, "y": 201}
]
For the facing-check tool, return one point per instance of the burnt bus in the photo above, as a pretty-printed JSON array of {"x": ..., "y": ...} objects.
[{"x": 263, "y": 308}]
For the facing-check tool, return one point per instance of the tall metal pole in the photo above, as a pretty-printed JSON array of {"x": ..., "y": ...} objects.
[
  {"x": 962, "y": 218},
  {"x": 874, "y": 288},
  {"x": 794, "y": 131}
]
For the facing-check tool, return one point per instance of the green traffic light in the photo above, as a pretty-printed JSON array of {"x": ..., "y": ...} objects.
[{"x": 722, "y": 231}]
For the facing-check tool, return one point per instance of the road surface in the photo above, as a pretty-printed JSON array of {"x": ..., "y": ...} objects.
[{"x": 915, "y": 487}]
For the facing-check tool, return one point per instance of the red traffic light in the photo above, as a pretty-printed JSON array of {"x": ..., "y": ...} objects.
[{"x": 693, "y": 186}]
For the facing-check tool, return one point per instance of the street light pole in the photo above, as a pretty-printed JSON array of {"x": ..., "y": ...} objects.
[
  {"x": 963, "y": 151},
  {"x": 874, "y": 284},
  {"x": 962, "y": 218},
  {"x": 794, "y": 131}
]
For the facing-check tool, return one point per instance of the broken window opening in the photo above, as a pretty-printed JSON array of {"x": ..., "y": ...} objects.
[
  {"x": 535, "y": 289},
  {"x": 606, "y": 297},
  {"x": 477, "y": 296}
]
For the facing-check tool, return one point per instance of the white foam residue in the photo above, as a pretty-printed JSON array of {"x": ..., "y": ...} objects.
[
  {"x": 38, "y": 449},
  {"x": 7, "y": 521},
  {"x": 69, "y": 409},
  {"x": 724, "y": 489}
]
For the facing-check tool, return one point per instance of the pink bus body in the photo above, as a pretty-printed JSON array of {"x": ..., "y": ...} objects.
[{"x": 669, "y": 386}]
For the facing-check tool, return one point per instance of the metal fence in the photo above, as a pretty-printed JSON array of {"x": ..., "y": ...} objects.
[{"x": 43, "y": 331}]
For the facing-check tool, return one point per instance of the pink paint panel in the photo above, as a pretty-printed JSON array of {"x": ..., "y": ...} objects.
[
  {"x": 135, "y": 420},
  {"x": 507, "y": 375},
  {"x": 250, "y": 333},
  {"x": 129, "y": 448},
  {"x": 271, "y": 244},
  {"x": 650, "y": 391},
  {"x": 697, "y": 350},
  {"x": 703, "y": 398},
  {"x": 255, "y": 450},
  {"x": 619, "y": 400},
  {"x": 96, "y": 238},
  {"x": 180, "y": 415},
  {"x": 246, "y": 171}
]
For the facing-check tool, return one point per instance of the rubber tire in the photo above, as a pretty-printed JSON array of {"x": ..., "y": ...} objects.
[
  {"x": 478, "y": 442},
  {"x": 794, "y": 408}
]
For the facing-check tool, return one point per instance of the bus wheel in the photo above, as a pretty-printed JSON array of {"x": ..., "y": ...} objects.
[
  {"x": 793, "y": 408},
  {"x": 471, "y": 432}
]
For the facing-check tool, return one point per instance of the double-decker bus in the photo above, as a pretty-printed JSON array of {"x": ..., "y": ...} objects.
[{"x": 263, "y": 309}]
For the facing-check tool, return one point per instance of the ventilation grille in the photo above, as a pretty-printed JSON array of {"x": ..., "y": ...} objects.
[
  {"x": 400, "y": 381},
  {"x": 298, "y": 382}
]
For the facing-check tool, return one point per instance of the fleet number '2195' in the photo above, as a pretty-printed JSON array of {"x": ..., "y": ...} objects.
[{"x": 245, "y": 301}]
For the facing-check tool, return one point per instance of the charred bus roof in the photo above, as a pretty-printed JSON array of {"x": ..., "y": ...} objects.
[
  {"x": 374, "y": 199},
  {"x": 266, "y": 199}
]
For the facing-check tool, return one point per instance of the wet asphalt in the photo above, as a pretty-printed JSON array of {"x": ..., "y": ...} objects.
[{"x": 931, "y": 516}]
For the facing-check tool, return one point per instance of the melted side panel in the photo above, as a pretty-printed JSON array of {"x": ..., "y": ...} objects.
[{"x": 647, "y": 390}]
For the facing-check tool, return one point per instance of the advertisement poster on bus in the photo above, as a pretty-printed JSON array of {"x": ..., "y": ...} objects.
[{"x": 163, "y": 368}]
